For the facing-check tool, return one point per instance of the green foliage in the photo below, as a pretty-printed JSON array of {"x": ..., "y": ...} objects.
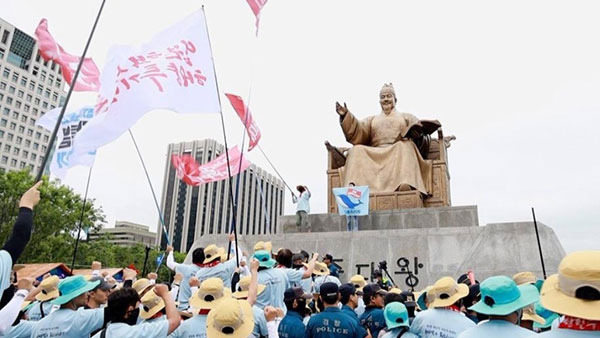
[{"x": 56, "y": 220}]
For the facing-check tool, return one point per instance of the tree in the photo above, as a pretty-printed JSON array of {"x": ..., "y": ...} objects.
[{"x": 56, "y": 217}]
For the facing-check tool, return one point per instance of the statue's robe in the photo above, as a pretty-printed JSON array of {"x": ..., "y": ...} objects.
[{"x": 383, "y": 157}]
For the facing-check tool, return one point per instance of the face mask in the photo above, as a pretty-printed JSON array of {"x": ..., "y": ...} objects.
[{"x": 133, "y": 317}]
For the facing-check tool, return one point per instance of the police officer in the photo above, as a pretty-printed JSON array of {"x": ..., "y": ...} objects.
[
  {"x": 372, "y": 319},
  {"x": 349, "y": 300},
  {"x": 331, "y": 322},
  {"x": 292, "y": 325}
]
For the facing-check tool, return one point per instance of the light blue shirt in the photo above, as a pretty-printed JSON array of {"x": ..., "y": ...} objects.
[
  {"x": 223, "y": 271},
  {"x": 194, "y": 327},
  {"x": 22, "y": 330},
  {"x": 185, "y": 292},
  {"x": 294, "y": 276},
  {"x": 155, "y": 329},
  {"x": 276, "y": 282},
  {"x": 5, "y": 269},
  {"x": 566, "y": 333},
  {"x": 67, "y": 323},
  {"x": 495, "y": 328},
  {"x": 319, "y": 280},
  {"x": 260, "y": 323},
  {"x": 303, "y": 204},
  {"x": 437, "y": 322},
  {"x": 34, "y": 313}
]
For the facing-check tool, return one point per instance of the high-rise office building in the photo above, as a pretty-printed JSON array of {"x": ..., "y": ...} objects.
[
  {"x": 126, "y": 234},
  {"x": 191, "y": 212},
  {"x": 29, "y": 87}
]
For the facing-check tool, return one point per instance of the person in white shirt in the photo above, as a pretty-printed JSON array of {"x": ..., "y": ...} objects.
[
  {"x": 503, "y": 301},
  {"x": 303, "y": 208},
  {"x": 443, "y": 317}
]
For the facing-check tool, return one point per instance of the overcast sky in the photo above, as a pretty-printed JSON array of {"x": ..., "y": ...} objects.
[{"x": 517, "y": 82}]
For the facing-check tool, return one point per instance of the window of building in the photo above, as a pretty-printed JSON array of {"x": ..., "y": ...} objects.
[
  {"x": 54, "y": 97},
  {"x": 23, "y": 81},
  {"x": 53, "y": 67},
  {"x": 29, "y": 133},
  {"x": 34, "y": 111},
  {"x": 32, "y": 122},
  {"x": 21, "y": 129},
  {"x": 15, "y": 115},
  {"x": 26, "y": 108},
  {"x": 33, "y": 156},
  {"x": 13, "y": 126},
  {"x": 11, "y": 90},
  {"x": 44, "y": 105},
  {"x": 43, "y": 149},
  {"x": 28, "y": 98},
  {"x": 23, "y": 118},
  {"x": 5, "y": 35},
  {"x": 2, "y": 51},
  {"x": 46, "y": 138},
  {"x": 35, "y": 146},
  {"x": 9, "y": 100},
  {"x": 47, "y": 93},
  {"x": 27, "y": 143},
  {"x": 6, "y": 73},
  {"x": 13, "y": 163},
  {"x": 4, "y": 159},
  {"x": 7, "y": 148},
  {"x": 36, "y": 70},
  {"x": 19, "y": 139},
  {"x": 3, "y": 123},
  {"x": 18, "y": 104},
  {"x": 40, "y": 89},
  {"x": 1, "y": 133},
  {"x": 38, "y": 135},
  {"x": 22, "y": 165},
  {"x": 20, "y": 93},
  {"x": 32, "y": 85},
  {"x": 38, "y": 56},
  {"x": 25, "y": 154},
  {"x": 9, "y": 137},
  {"x": 37, "y": 101},
  {"x": 15, "y": 78},
  {"x": 2, "y": 85}
]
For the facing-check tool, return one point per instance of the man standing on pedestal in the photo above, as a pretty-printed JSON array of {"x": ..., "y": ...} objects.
[{"x": 303, "y": 208}]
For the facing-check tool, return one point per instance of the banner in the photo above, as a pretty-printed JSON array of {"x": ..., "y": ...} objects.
[
  {"x": 192, "y": 173},
  {"x": 70, "y": 125},
  {"x": 174, "y": 71},
  {"x": 352, "y": 201},
  {"x": 89, "y": 75},
  {"x": 250, "y": 124},
  {"x": 256, "y": 6}
]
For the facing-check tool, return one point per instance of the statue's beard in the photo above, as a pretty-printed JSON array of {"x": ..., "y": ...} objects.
[{"x": 387, "y": 107}]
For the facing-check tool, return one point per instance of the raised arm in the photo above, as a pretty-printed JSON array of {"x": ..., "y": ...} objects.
[
  {"x": 22, "y": 229},
  {"x": 355, "y": 131},
  {"x": 311, "y": 266},
  {"x": 173, "y": 317}
]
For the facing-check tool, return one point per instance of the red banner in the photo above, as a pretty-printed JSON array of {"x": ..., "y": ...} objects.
[
  {"x": 250, "y": 124},
  {"x": 89, "y": 76},
  {"x": 256, "y": 6},
  {"x": 194, "y": 174}
]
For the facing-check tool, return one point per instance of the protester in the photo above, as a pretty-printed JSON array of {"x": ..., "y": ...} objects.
[
  {"x": 574, "y": 292},
  {"x": 231, "y": 318},
  {"x": 209, "y": 294},
  {"x": 298, "y": 261},
  {"x": 14, "y": 246},
  {"x": 276, "y": 281},
  {"x": 42, "y": 306},
  {"x": 349, "y": 300},
  {"x": 443, "y": 315},
  {"x": 98, "y": 296},
  {"x": 10, "y": 311},
  {"x": 123, "y": 306},
  {"x": 292, "y": 325},
  {"x": 503, "y": 301},
  {"x": 333, "y": 269},
  {"x": 295, "y": 276},
  {"x": 142, "y": 285},
  {"x": 396, "y": 321},
  {"x": 303, "y": 208},
  {"x": 68, "y": 321},
  {"x": 351, "y": 220},
  {"x": 473, "y": 297},
  {"x": 152, "y": 308},
  {"x": 187, "y": 271},
  {"x": 331, "y": 322},
  {"x": 322, "y": 275},
  {"x": 359, "y": 282},
  {"x": 216, "y": 263},
  {"x": 372, "y": 319}
]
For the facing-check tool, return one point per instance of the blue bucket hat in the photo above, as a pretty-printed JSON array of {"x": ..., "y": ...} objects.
[
  {"x": 548, "y": 316},
  {"x": 72, "y": 287},
  {"x": 395, "y": 315},
  {"x": 501, "y": 296},
  {"x": 264, "y": 259}
]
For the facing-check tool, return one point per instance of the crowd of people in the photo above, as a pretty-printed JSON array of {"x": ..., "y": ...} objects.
[{"x": 261, "y": 293}]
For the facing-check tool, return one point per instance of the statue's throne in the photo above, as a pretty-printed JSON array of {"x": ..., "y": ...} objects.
[{"x": 404, "y": 199}]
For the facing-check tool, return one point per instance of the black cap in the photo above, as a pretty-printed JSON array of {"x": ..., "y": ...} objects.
[
  {"x": 346, "y": 290},
  {"x": 328, "y": 289},
  {"x": 104, "y": 285},
  {"x": 372, "y": 289},
  {"x": 328, "y": 256},
  {"x": 409, "y": 298},
  {"x": 295, "y": 293}
]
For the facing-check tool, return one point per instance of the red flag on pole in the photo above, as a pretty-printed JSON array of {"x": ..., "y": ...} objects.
[
  {"x": 250, "y": 124},
  {"x": 256, "y": 6},
  {"x": 192, "y": 173},
  {"x": 89, "y": 76}
]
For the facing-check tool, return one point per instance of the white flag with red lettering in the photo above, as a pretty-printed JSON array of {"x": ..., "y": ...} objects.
[
  {"x": 192, "y": 173},
  {"x": 246, "y": 117},
  {"x": 89, "y": 75},
  {"x": 256, "y": 6},
  {"x": 174, "y": 71}
]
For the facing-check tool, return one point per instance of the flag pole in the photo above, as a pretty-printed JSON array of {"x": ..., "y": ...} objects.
[
  {"x": 160, "y": 215},
  {"x": 537, "y": 235},
  {"x": 87, "y": 186},
  {"x": 231, "y": 201},
  {"x": 64, "y": 107},
  {"x": 277, "y": 172}
]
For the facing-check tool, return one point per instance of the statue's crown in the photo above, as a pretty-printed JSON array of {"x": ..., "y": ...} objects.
[{"x": 387, "y": 88}]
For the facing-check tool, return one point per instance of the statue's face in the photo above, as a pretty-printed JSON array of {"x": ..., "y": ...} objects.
[{"x": 387, "y": 101}]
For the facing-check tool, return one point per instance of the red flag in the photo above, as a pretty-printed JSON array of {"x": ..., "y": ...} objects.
[
  {"x": 194, "y": 174},
  {"x": 132, "y": 267},
  {"x": 256, "y": 6},
  {"x": 471, "y": 277},
  {"x": 89, "y": 76},
  {"x": 251, "y": 127}
]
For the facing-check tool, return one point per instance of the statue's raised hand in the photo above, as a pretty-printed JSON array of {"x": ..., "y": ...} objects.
[{"x": 342, "y": 111}]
